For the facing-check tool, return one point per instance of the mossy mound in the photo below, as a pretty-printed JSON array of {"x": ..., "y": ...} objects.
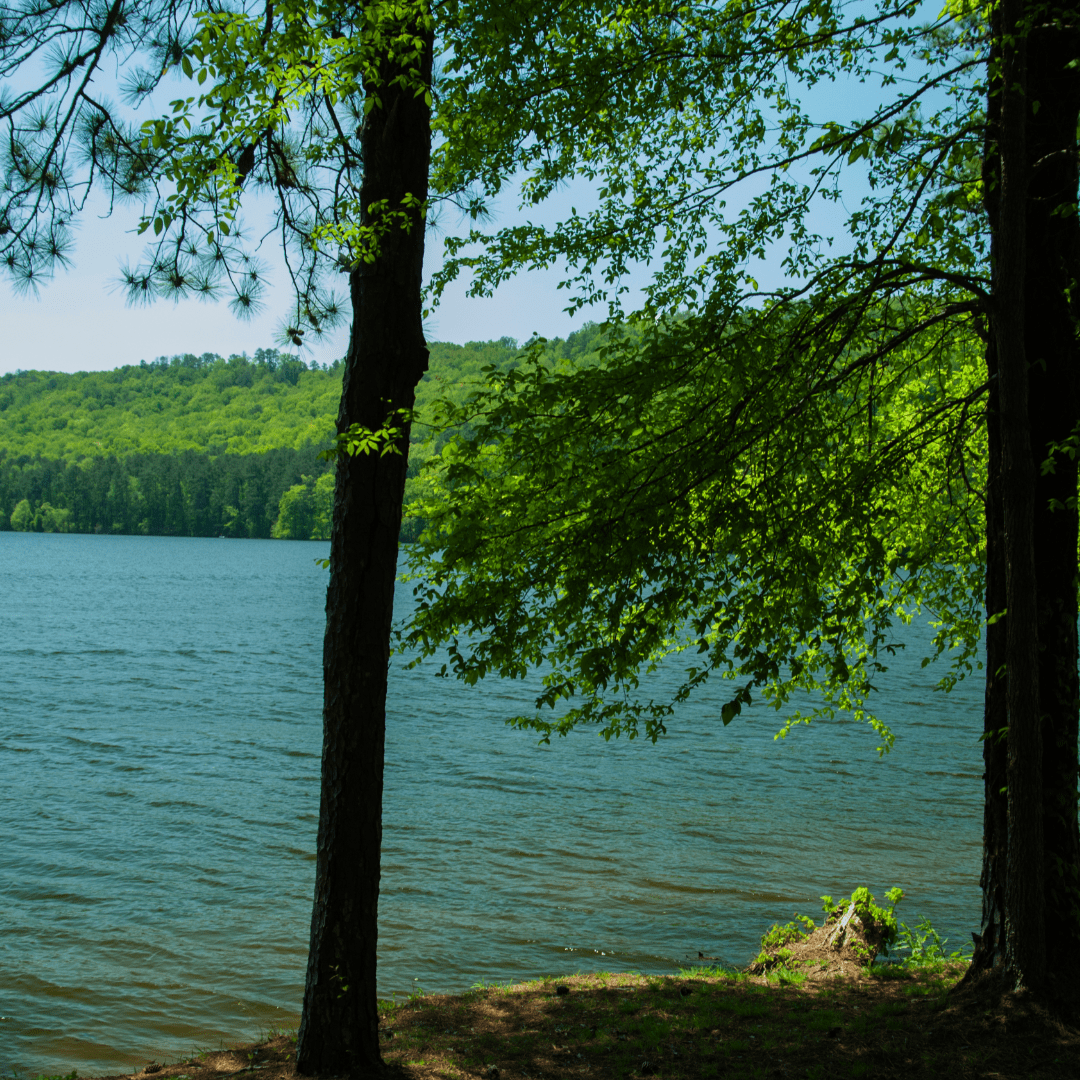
[{"x": 854, "y": 933}]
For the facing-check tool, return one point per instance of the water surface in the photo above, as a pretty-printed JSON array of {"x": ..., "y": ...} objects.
[{"x": 159, "y": 742}]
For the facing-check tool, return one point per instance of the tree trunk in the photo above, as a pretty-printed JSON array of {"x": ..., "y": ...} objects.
[
  {"x": 1025, "y": 939},
  {"x": 1031, "y": 839},
  {"x": 1050, "y": 343},
  {"x": 990, "y": 941},
  {"x": 387, "y": 358}
]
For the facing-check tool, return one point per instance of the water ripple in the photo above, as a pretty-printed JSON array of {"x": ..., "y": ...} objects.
[{"x": 160, "y": 738}]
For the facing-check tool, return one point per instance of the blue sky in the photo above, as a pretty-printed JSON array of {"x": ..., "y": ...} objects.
[{"x": 80, "y": 322}]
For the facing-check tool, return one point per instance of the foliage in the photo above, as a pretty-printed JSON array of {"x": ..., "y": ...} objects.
[
  {"x": 756, "y": 486},
  {"x": 728, "y": 502},
  {"x": 105, "y": 451},
  {"x": 22, "y": 517},
  {"x": 295, "y": 520},
  {"x": 672, "y": 114},
  {"x": 237, "y": 405},
  {"x": 304, "y": 512},
  {"x": 867, "y": 910},
  {"x": 269, "y": 97},
  {"x": 62, "y": 135},
  {"x": 879, "y": 925},
  {"x": 184, "y": 494},
  {"x": 924, "y": 946},
  {"x": 323, "y": 507},
  {"x": 202, "y": 403},
  {"x": 287, "y": 89},
  {"x": 776, "y": 937},
  {"x": 51, "y": 519}
]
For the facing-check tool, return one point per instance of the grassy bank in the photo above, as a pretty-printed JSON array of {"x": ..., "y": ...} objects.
[{"x": 698, "y": 1025}]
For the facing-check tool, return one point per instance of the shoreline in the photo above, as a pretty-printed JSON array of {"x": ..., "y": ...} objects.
[{"x": 700, "y": 1024}]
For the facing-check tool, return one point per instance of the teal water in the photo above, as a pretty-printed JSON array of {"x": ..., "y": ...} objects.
[{"x": 159, "y": 742}]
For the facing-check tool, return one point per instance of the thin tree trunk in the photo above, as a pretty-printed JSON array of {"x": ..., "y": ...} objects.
[
  {"x": 1025, "y": 940},
  {"x": 387, "y": 358},
  {"x": 990, "y": 941}
]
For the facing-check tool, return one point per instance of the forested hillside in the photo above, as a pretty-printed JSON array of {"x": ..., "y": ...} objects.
[{"x": 203, "y": 445}]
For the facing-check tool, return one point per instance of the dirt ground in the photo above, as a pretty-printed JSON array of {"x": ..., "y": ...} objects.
[{"x": 697, "y": 1026}]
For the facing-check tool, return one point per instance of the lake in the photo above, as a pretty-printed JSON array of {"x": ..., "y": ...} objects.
[{"x": 159, "y": 748}]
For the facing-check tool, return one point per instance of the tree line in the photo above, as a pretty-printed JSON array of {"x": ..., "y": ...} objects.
[
  {"x": 204, "y": 423},
  {"x": 184, "y": 494}
]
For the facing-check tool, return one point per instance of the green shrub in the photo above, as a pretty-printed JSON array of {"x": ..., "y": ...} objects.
[
  {"x": 868, "y": 911},
  {"x": 925, "y": 946},
  {"x": 777, "y": 936}
]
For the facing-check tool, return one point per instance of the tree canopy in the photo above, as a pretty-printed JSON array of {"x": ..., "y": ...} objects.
[
  {"x": 747, "y": 474},
  {"x": 212, "y": 404},
  {"x": 762, "y": 514},
  {"x": 204, "y": 403}
]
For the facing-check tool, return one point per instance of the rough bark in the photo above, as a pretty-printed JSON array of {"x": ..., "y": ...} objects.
[
  {"x": 387, "y": 358},
  {"x": 1025, "y": 941},
  {"x": 1031, "y": 840},
  {"x": 989, "y": 948},
  {"x": 990, "y": 941},
  {"x": 1050, "y": 344}
]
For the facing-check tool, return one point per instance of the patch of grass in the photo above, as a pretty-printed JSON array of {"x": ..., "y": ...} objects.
[
  {"x": 13, "y": 1075},
  {"x": 705, "y": 971},
  {"x": 787, "y": 976},
  {"x": 277, "y": 1031},
  {"x": 889, "y": 971},
  {"x": 489, "y": 987}
]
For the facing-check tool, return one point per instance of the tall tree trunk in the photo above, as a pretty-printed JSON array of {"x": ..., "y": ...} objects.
[
  {"x": 1050, "y": 343},
  {"x": 1025, "y": 939},
  {"x": 387, "y": 357},
  {"x": 1030, "y": 180},
  {"x": 990, "y": 941}
]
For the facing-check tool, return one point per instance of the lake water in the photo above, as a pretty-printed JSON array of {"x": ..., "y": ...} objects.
[{"x": 159, "y": 764}]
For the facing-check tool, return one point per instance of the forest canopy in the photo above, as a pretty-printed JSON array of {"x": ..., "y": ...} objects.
[{"x": 208, "y": 446}]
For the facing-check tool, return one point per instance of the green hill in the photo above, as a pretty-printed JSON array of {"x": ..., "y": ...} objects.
[
  {"x": 202, "y": 445},
  {"x": 202, "y": 403}
]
